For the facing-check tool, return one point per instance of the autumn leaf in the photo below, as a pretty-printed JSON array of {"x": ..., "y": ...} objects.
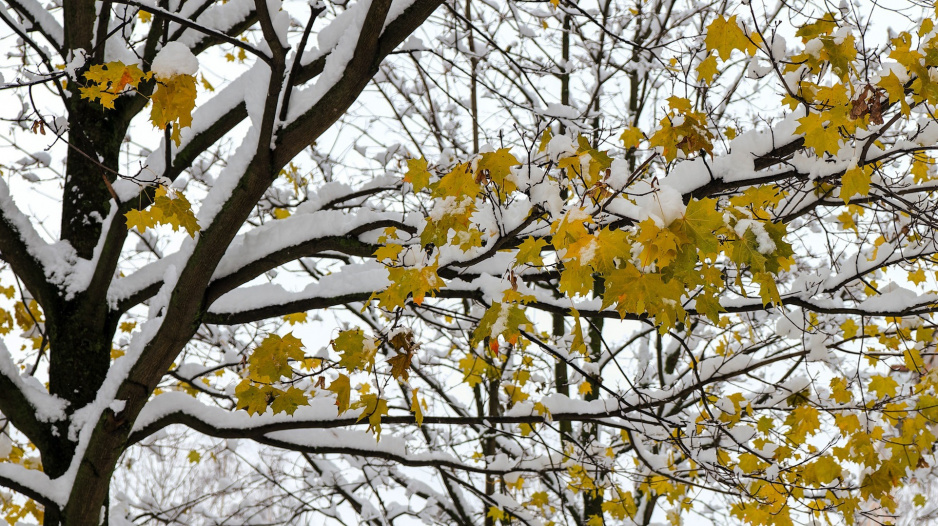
[
  {"x": 529, "y": 252},
  {"x": 417, "y": 174},
  {"x": 700, "y": 224},
  {"x": 856, "y": 181},
  {"x": 357, "y": 350},
  {"x": 631, "y": 137},
  {"x": 173, "y": 103},
  {"x": 400, "y": 365},
  {"x": 289, "y": 401},
  {"x": 270, "y": 361},
  {"x": 167, "y": 209},
  {"x": 296, "y": 317},
  {"x": 343, "y": 392},
  {"x": 373, "y": 408},
  {"x": 106, "y": 82},
  {"x": 417, "y": 407},
  {"x": 496, "y": 167},
  {"x": 707, "y": 69},
  {"x": 250, "y": 397},
  {"x": 883, "y": 386},
  {"x": 724, "y": 35},
  {"x": 501, "y": 319},
  {"x": 818, "y": 135}
]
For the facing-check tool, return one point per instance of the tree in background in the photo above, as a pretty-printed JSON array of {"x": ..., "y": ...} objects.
[{"x": 562, "y": 264}]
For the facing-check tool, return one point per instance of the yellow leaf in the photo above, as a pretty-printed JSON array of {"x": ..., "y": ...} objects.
[
  {"x": 823, "y": 26},
  {"x": 496, "y": 167},
  {"x": 883, "y": 386},
  {"x": 585, "y": 388},
  {"x": 917, "y": 276},
  {"x": 173, "y": 210},
  {"x": 194, "y": 457},
  {"x": 343, "y": 391},
  {"x": 417, "y": 407},
  {"x": 856, "y": 181},
  {"x": 631, "y": 137},
  {"x": 250, "y": 397},
  {"x": 373, "y": 408},
  {"x": 288, "y": 401},
  {"x": 896, "y": 90},
  {"x": 850, "y": 328},
  {"x": 803, "y": 420},
  {"x": 270, "y": 361},
  {"x": 388, "y": 252},
  {"x": 840, "y": 390},
  {"x": 173, "y": 103},
  {"x": 107, "y": 81},
  {"x": 724, "y": 35},
  {"x": 545, "y": 139},
  {"x": 474, "y": 369},
  {"x": 707, "y": 71},
  {"x": 358, "y": 351},
  {"x": 817, "y": 135},
  {"x": 529, "y": 252},
  {"x": 417, "y": 174},
  {"x": 296, "y": 317}
]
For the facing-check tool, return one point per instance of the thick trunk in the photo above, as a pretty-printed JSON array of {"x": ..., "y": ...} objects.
[{"x": 79, "y": 328}]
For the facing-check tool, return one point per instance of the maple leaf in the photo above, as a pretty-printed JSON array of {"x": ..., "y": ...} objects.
[
  {"x": 501, "y": 319},
  {"x": 343, "y": 392},
  {"x": 474, "y": 369},
  {"x": 631, "y": 137},
  {"x": 768, "y": 290},
  {"x": 415, "y": 282},
  {"x": 745, "y": 251},
  {"x": 850, "y": 328},
  {"x": 570, "y": 228},
  {"x": 373, "y": 408},
  {"x": 822, "y": 26},
  {"x": 822, "y": 471},
  {"x": 856, "y": 181},
  {"x": 817, "y": 135},
  {"x": 289, "y": 401},
  {"x": 700, "y": 223},
  {"x": 497, "y": 167},
  {"x": 917, "y": 276},
  {"x": 545, "y": 140},
  {"x": 883, "y": 386},
  {"x": 417, "y": 407},
  {"x": 803, "y": 420},
  {"x": 109, "y": 80},
  {"x": 167, "y": 209},
  {"x": 358, "y": 351},
  {"x": 417, "y": 174},
  {"x": 388, "y": 252},
  {"x": 400, "y": 365},
  {"x": 576, "y": 280},
  {"x": 457, "y": 183},
  {"x": 707, "y": 69},
  {"x": 529, "y": 252},
  {"x": 173, "y": 103},
  {"x": 612, "y": 247},
  {"x": 896, "y": 90},
  {"x": 658, "y": 244},
  {"x": 270, "y": 361},
  {"x": 724, "y": 35},
  {"x": 250, "y": 397},
  {"x": 296, "y": 317}
]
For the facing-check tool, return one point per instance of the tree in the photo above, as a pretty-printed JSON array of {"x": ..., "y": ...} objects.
[{"x": 648, "y": 292}]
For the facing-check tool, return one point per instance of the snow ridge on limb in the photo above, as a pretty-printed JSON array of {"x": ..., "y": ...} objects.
[{"x": 41, "y": 20}]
